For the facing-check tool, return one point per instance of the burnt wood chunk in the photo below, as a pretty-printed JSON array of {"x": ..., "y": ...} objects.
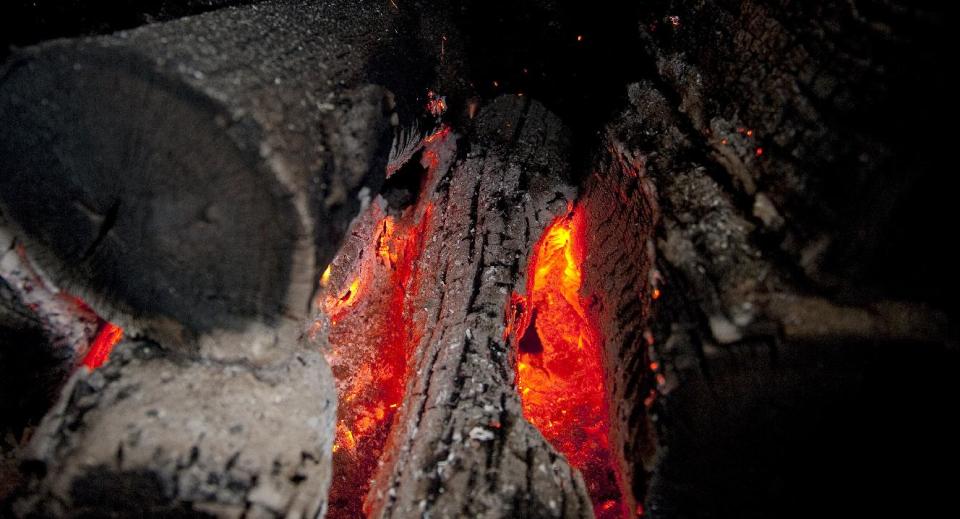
[
  {"x": 203, "y": 171},
  {"x": 167, "y": 436}
]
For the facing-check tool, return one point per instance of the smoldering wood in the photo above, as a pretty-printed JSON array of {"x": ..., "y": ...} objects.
[
  {"x": 459, "y": 445},
  {"x": 31, "y": 302},
  {"x": 762, "y": 306},
  {"x": 620, "y": 201},
  {"x": 165, "y": 435},
  {"x": 200, "y": 173},
  {"x": 463, "y": 447},
  {"x": 746, "y": 348}
]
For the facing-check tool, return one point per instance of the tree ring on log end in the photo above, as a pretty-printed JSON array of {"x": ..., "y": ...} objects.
[{"x": 135, "y": 187}]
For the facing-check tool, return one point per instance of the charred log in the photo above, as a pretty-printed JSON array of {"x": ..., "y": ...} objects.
[
  {"x": 759, "y": 374},
  {"x": 200, "y": 173},
  {"x": 803, "y": 111}
]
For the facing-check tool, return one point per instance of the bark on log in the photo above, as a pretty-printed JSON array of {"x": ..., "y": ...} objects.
[
  {"x": 620, "y": 200},
  {"x": 804, "y": 108},
  {"x": 164, "y": 435},
  {"x": 449, "y": 457},
  {"x": 201, "y": 172},
  {"x": 753, "y": 361}
]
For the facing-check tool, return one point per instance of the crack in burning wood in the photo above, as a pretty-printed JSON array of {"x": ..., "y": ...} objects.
[
  {"x": 560, "y": 372},
  {"x": 371, "y": 336}
]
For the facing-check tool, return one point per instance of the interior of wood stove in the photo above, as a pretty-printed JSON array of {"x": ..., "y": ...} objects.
[{"x": 485, "y": 259}]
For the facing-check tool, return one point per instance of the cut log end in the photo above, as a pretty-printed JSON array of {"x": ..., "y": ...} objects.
[{"x": 154, "y": 201}]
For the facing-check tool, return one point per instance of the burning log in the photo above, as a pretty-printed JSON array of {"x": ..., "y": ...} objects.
[
  {"x": 199, "y": 174},
  {"x": 459, "y": 444},
  {"x": 190, "y": 180}
]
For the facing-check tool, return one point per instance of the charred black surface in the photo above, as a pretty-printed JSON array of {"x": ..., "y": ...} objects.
[
  {"x": 26, "y": 22},
  {"x": 198, "y": 172}
]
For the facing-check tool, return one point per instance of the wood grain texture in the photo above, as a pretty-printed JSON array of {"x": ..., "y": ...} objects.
[{"x": 199, "y": 171}]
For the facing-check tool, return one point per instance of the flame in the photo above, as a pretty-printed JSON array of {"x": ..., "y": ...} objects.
[
  {"x": 325, "y": 277},
  {"x": 108, "y": 337},
  {"x": 560, "y": 373}
]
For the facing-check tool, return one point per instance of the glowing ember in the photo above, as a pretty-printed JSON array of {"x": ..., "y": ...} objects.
[
  {"x": 559, "y": 363},
  {"x": 372, "y": 338},
  {"x": 371, "y": 345},
  {"x": 436, "y": 104},
  {"x": 108, "y": 337},
  {"x": 438, "y": 135}
]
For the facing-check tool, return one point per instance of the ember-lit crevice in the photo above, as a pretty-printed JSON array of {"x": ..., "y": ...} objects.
[
  {"x": 67, "y": 321},
  {"x": 560, "y": 372},
  {"x": 371, "y": 338},
  {"x": 108, "y": 337}
]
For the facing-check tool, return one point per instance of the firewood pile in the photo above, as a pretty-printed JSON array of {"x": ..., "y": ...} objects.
[{"x": 479, "y": 259}]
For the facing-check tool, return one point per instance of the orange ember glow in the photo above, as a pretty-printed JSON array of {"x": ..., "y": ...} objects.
[
  {"x": 108, "y": 337},
  {"x": 372, "y": 337},
  {"x": 371, "y": 345},
  {"x": 560, "y": 366},
  {"x": 438, "y": 135},
  {"x": 436, "y": 104}
]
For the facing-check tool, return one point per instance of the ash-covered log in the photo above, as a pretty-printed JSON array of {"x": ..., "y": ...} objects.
[
  {"x": 199, "y": 174},
  {"x": 164, "y": 435}
]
